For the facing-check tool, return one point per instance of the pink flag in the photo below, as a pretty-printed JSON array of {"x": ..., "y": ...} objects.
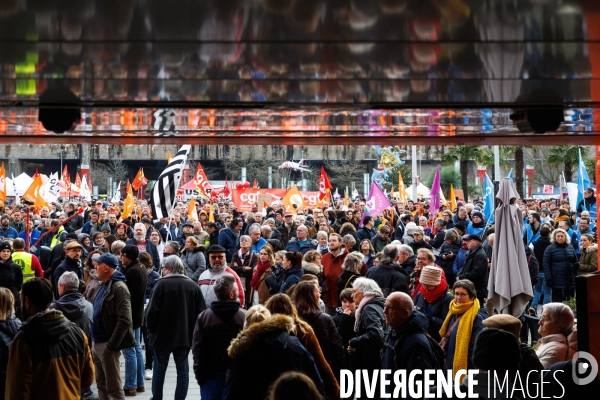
[
  {"x": 548, "y": 189},
  {"x": 435, "y": 200},
  {"x": 377, "y": 202}
]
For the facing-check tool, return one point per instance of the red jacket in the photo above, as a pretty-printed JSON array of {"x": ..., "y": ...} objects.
[{"x": 332, "y": 268}]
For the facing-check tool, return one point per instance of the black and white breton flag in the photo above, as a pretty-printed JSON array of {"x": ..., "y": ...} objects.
[{"x": 165, "y": 187}]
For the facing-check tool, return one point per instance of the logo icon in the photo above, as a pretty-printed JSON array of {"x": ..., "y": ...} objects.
[{"x": 585, "y": 368}]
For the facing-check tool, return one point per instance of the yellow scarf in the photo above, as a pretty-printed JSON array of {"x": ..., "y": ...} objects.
[{"x": 463, "y": 336}]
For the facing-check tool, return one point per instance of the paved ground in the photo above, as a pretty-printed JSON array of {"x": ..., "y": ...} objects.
[{"x": 170, "y": 382}]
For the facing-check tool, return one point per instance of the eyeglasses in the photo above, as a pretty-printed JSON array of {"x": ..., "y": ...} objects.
[
  {"x": 461, "y": 295},
  {"x": 543, "y": 320},
  {"x": 217, "y": 256}
]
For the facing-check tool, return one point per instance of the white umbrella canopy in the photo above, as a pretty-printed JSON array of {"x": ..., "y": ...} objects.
[
  {"x": 509, "y": 285},
  {"x": 22, "y": 183}
]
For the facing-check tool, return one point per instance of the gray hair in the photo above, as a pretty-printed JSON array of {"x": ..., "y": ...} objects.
[
  {"x": 352, "y": 262},
  {"x": 349, "y": 239},
  {"x": 367, "y": 287},
  {"x": 560, "y": 312},
  {"x": 70, "y": 280},
  {"x": 390, "y": 253},
  {"x": 268, "y": 221},
  {"x": 140, "y": 225},
  {"x": 406, "y": 249},
  {"x": 245, "y": 238},
  {"x": 223, "y": 286},
  {"x": 175, "y": 264},
  {"x": 116, "y": 247},
  {"x": 174, "y": 245},
  {"x": 266, "y": 228},
  {"x": 254, "y": 227}
]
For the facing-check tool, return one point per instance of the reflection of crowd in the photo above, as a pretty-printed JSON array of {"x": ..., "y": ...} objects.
[{"x": 406, "y": 50}]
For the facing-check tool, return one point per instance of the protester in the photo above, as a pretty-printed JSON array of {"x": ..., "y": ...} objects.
[
  {"x": 433, "y": 299},
  {"x": 243, "y": 262},
  {"x": 260, "y": 291},
  {"x": 218, "y": 267},
  {"x": 588, "y": 262},
  {"x": 558, "y": 335},
  {"x": 215, "y": 328},
  {"x": 294, "y": 386},
  {"x": 9, "y": 326},
  {"x": 112, "y": 328},
  {"x": 262, "y": 352},
  {"x": 67, "y": 366},
  {"x": 351, "y": 270},
  {"x": 448, "y": 252},
  {"x": 476, "y": 267},
  {"x": 139, "y": 240},
  {"x": 11, "y": 275},
  {"x": 193, "y": 258},
  {"x": 461, "y": 326},
  {"x": 559, "y": 266},
  {"x": 174, "y": 305},
  {"x": 344, "y": 317},
  {"x": 388, "y": 275},
  {"x": 332, "y": 268},
  {"x": 306, "y": 299},
  {"x": 71, "y": 263}
]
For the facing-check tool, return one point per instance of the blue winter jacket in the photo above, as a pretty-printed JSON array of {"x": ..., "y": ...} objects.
[
  {"x": 559, "y": 266},
  {"x": 477, "y": 327}
]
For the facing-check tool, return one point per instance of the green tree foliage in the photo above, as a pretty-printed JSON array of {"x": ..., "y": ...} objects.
[
  {"x": 568, "y": 157},
  {"x": 462, "y": 154},
  {"x": 391, "y": 177},
  {"x": 448, "y": 175}
]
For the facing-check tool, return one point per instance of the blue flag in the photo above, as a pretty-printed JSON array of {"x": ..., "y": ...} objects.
[
  {"x": 510, "y": 175},
  {"x": 583, "y": 180},
  {"x": 488, "y": 198}
]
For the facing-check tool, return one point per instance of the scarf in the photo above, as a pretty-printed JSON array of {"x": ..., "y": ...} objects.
[
  {"x": 122, "y": 237},
  {"x": 260, "y": 269},
  {"x": 433, "y": 295},
  {"x": 358, "y": 313},
  {"x": 463, "y": 336},
  {"x": 236, "y": 235}
]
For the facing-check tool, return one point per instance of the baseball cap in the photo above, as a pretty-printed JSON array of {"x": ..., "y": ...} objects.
[{"x": 108, "y": 259}]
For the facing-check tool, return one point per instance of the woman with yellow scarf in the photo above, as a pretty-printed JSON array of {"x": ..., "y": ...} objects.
[{"x": 460, "y": 337}]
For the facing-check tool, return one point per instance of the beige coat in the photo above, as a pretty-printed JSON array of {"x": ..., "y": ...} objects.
[{"x": 556, "y": 348}]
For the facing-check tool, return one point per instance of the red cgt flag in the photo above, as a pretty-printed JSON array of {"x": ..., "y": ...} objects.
[
  {"x": 138, "y": 180},
  {"x": 324, "y": 185}
]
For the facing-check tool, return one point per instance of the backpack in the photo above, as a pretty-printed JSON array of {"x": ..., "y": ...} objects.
[{"x": 438, "y": 352}]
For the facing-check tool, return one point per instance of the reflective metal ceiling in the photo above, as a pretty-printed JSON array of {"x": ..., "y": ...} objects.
[{"x": 308, "y": 71}]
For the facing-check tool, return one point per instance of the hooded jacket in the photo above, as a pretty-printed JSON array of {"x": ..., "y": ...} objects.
[
  {"x": 407, "y": 348},
  {"x": 50, "y": 358},
  {"x": 112, "y": 322},
  {"x": 8, "y": 330},
  {"x": 369, "y": 337},
  {"x": 261, "y": 353},
  {"x": 589, "y": 260},
  {"x": 77, "y": 310},
  {"x": 215, "y": 328}
]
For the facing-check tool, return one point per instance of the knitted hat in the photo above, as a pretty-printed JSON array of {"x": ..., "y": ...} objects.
[
  {"x": 4, "y": 216},
  {"x": 5, "y": 245},
  {"x": 477, "y": 214},
  {"x": 504, "y": 322},
  {"x": 130, "y": 251},
  {"x": 461, "y": 227},
  {"x": 431, "y": 275}
]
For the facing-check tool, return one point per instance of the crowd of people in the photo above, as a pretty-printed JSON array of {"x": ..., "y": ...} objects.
[{"x": 268, "y": 302}]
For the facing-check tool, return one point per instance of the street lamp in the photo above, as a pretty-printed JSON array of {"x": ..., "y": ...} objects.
[{"x": 62, "y": 149}]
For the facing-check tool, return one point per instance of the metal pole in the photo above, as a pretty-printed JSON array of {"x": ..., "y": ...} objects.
[
  {"x": 497, "y": 162},
  {"x": 243, "y": 174},
  {"x": 366, "y": 184},
  {"x": 414, "y": 173},
  {"x": 270, "y": 178}
]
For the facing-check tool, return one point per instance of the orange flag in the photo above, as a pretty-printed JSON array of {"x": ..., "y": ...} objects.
[
  {"x": 77, "y": 180},
  {"x": 34, "y": 193},
  {"x": 192, "y": 212},
  {"x": 168, "y": 157},
  {"x": 129, "y": 203},
  {"x": 211, "y": 215},
  {"x": 292, "y": 197},
  {"x": 137, "y": 181},
  {"x": 2, "y": 185}
]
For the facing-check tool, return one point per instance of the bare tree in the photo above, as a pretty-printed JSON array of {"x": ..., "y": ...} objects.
[
  {"x": 118, "y": 169},
  {"x": 100, "y": 175},
  {"x": 256, "y": 168},
  {"x": 343, "y": 172},
  {"x": 545, "y": 173}
]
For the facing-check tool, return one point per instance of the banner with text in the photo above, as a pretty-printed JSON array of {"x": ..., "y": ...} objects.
[{"x": 245, "y": 199}]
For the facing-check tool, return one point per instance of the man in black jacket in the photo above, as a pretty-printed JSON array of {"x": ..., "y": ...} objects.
[
  {"x": 406, "y": 346},
  {"x": 174, "y": 306},
  {"x": 476, "y": 266},
  {"x": 72, "y": 263},
  {"x": 215, "y": 328},
  {"x": 136, "y": 278},
  {"x": 388, "y": 274}
]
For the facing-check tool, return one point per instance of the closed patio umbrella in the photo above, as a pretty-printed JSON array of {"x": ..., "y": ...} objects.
[{"x": 509, "y": 285}]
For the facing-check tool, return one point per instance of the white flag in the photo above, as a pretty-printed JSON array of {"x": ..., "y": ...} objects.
[
  {"x": 17, "y": 198},
  {"x": 117, "y": 196},
  {"x": 84, "y": 193}
]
